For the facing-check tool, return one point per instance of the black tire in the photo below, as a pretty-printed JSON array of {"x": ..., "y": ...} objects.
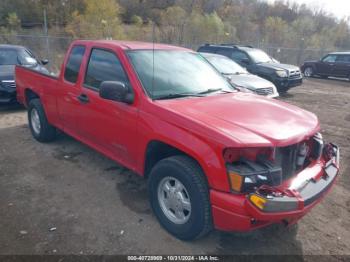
[
  {"x": 283, "y": 91},
  {"x": 309, "y": 71},
  {"x": 189, "y": 173},
  {"x": 47, "y": 132}
]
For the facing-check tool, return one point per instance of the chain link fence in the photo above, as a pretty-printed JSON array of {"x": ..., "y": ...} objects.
[
  {"x": 295, "y": 56},
  {"x": 54, "y": 48},
  {"x": 51, "y": 48}
]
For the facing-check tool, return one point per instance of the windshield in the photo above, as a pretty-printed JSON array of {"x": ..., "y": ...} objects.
[
  {"x": 259, "y": 56},
  {"x": 225, "y": 65},
  {"x": 25, "y": 58},
  {"x": 8, "y": 57},
  {"x": 16, "y": 57},
  {"x": 176, "y": 72}
]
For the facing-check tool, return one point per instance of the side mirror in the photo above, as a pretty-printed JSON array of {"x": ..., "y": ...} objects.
[
  {"x": 116, "y": 91},
  {"x": 44, "y": 61},
  {"x": 245, "y": 61}
]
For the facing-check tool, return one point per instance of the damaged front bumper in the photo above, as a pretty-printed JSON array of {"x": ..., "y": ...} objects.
[{"x": 269, "y": 205}]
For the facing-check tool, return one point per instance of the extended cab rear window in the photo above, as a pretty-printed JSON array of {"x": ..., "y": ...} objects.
[{"x": 71, "y": 72}]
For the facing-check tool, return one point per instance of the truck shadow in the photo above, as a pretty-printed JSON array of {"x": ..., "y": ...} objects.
[
  {"x": 133, "y": 192},
  {"x": 272, "y": 240},
  {"x": 12, "y": 108}
]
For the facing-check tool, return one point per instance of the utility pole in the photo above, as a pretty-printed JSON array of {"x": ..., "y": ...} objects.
[{"x": 46, "y": 33}]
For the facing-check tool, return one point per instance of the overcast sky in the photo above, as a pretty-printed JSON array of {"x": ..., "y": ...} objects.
[{"x": 339, "y": 8}]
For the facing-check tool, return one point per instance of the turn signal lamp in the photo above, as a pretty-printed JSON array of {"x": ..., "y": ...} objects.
[
  {"x": 258, "y": 201},
  {"x": 236, "y": 181}
]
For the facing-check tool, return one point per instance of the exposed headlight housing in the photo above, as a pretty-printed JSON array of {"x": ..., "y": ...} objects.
[
  {"x": 282, "y": 73},
  {"x": 248, "y": 169},
  {"x": 246, "y": 176}
]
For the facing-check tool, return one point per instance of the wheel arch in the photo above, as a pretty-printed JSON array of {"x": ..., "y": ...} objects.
[
  {"x": 313, "y": 66},
  {"x": 157, "y": 150},
  {"x": 29, "y": 94}
]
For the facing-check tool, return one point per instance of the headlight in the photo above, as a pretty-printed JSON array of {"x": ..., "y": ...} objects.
[
  {"x": 251, "y": 168},
  {"x": 282, "y": 73}
]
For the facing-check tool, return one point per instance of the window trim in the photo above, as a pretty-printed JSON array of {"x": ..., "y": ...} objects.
[
  {"x": 225, "y": 49},
  {"x": 244, "y": 53},
  {"x": 88, "y": 62},
  {"x": 329, "y": 56},
  {"x": 81, "y": 63},
  {"x": 344, "y": 56}
]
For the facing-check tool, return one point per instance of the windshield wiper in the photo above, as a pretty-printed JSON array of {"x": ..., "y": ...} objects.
[
  {"x": 210, "y": 90},
  {"x": 177, "y": 95}
]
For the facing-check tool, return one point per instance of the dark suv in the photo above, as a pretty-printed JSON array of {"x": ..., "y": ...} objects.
[
  {"x": 259, "y": 63},
  {"x": 334, "y": 64}
]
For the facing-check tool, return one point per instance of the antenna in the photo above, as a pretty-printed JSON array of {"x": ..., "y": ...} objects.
[{"x": 153, "y": 40}]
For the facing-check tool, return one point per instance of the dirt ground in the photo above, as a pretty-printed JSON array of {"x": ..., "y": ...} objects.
[{"x": 64, "y": 198}]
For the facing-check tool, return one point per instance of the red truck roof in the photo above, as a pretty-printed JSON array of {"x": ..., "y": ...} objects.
[{"x": 133, "y": 45}]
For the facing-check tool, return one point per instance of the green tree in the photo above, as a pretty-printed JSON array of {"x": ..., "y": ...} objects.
[
  {"x": 13, "y": 22},
  {"x": 172, "y": 25},
  {"x": 275, "y": 31},
  {"x": 100, "y": 19}
]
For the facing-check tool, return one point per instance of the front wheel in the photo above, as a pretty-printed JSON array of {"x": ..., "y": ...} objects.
[
  {"x": 38, "y": 124},
  {"x": 179, "y": 197},
  {"x": 308, "y": 72}
]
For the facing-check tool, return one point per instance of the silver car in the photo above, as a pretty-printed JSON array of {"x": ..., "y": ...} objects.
[{"x": 240, "y": 77}]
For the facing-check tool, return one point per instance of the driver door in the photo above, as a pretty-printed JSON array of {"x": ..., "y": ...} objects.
[
  {"x": 109, "y": 126},
  {"x": 326, "y": 65}
]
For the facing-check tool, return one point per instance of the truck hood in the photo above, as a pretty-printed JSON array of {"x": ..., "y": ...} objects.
[
  {"x": 250, "y": 81},
  {"x": 247, "y": 119},
  {"x": 278, "y": 66}
]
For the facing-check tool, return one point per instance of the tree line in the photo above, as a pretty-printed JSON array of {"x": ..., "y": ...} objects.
[{"x": 182, "y": 22}]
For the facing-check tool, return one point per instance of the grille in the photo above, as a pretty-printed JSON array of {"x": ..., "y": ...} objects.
[
  {"x": 294, "y": 74},
  {"x": 264, "y": 91},
  {"x": 8, "y": 84},
  {"x": 4, "y": 95},
  {"x": 286, "y": 158}
]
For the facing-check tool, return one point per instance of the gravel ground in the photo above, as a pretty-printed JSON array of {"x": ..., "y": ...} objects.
[{"x": 64, "y": 198}]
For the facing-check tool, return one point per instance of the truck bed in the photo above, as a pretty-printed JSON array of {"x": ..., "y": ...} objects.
[
  {"x": 33, "y": 83},
  {"x": 29, "y": 78}
]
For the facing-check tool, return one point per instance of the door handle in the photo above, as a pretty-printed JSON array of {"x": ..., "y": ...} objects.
[{"x": 83, "y": 98}]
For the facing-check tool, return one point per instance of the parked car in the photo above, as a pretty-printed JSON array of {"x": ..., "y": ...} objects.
[
  {"x": 240, "y": 77},
  {"x": 11, "y": 55},
  {"x": 335, "y": 64},
  {"x": 259, "y": 63},
  {"x": 213, "y": 156}
]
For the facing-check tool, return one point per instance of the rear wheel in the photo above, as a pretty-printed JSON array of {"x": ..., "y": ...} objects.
[
  {"x": 308, "y": 71},
  {"x": 179, "y": 197},
  {"x": 38, "y": 124}
]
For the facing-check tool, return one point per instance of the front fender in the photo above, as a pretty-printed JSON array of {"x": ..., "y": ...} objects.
[{"x": 201, "y": 149}]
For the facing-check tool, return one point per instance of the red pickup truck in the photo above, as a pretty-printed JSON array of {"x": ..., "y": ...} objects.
[{"x": 213, "y": 157}]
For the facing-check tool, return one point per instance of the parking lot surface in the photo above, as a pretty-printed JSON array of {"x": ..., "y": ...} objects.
[{"x": 65, "y": 198}]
